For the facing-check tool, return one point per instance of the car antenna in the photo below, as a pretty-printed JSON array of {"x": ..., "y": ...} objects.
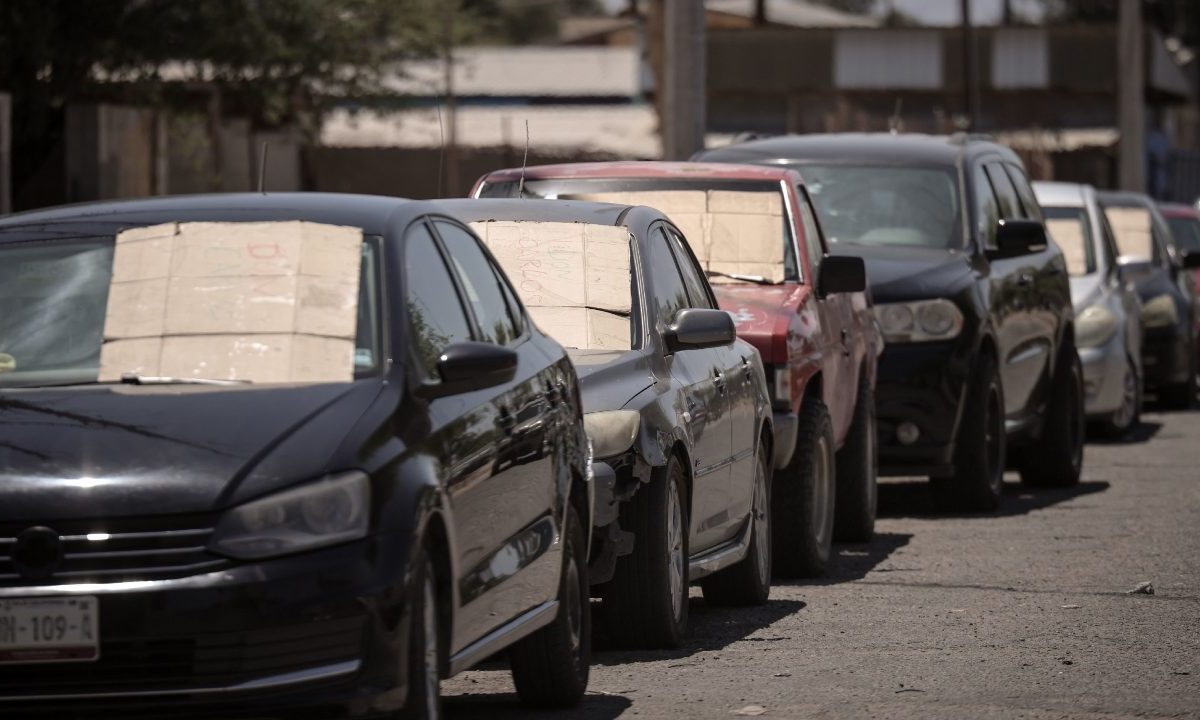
[
  {"x": 524, "y": 163},
  {"x": 262, "y": 169}
]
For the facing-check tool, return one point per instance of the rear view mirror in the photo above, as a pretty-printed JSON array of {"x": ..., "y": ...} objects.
[
  {"x": 1190, "y": 259},
  {"x": 697, "y": 328},
  {"x": 841, "y": 274},
  {"x": 1015, "y": 238},
  {"x": 467, "y": 366}
]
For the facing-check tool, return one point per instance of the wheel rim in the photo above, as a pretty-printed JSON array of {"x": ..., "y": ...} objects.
[
  {"x": 574, "y": 609},
  {"x": 822, "y": 520},
  {"x": 429, "y": 625},
  {"x": 993, "y": 434},
  {"x": 762, "y": 528},
  {"x": 675, "y": 547},
  {"x": 1129, "y": 391}
]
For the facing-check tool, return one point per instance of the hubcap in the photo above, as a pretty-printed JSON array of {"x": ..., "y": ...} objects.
[
  {"x": 675, "y": 547},
  {"x": 1129, "y": 392},
  {"x": 822, "y": 520},
  {"x": 762, "y": 528},
  {"x": 429, "y": 625}
]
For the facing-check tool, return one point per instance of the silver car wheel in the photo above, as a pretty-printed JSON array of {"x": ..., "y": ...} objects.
[
  {"x": 762, "y": 524},
  {"x": 676, "y": 559}
]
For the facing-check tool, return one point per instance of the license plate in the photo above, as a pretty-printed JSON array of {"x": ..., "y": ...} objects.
[{"x": 45, "y": 630}]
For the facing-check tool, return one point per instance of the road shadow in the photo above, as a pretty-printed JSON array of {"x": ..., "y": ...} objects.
[
  {"x": 1140, "y": 433},
  {"x": 912, "y": 498},
  {"x": 852, "y": 562},
  {"x": 506, "y": 705},
  {"x": 709, "y": 628}
]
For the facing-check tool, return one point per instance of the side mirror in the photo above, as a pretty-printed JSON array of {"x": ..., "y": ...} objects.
[
  {"x": 697, "y": 328},
  {"x": 1191, "y": 259},
  {"x": 468, "y": 366},
  {"x": 841, "y": 274},
  {"x": 1015, "y": 238}
]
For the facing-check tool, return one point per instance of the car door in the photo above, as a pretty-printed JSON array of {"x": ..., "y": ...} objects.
[
  {"x": 703, "y": 403},
  {"x": 1052, "y": 289},
  {"x": 1024, "y": 349},
  {"x": 736, "y": 363}
]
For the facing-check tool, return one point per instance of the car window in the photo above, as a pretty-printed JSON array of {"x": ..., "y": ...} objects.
[
  {"x": 480, "y": 283},
  {"x": 670, "y": 294},
  {"x": 987, "y": 211},
  {"x": 812, "y": 233},
  {"x": 1132, "y": 227},
  {"x": 1186, "y": 231},
  {"x": 1006, "y": 194},
  {"x": 435, "y": 313},
  {"x": 1071, "y": 232},
  {"x": 1029, "y": 203},
  {"x": 693, "y": 281}
]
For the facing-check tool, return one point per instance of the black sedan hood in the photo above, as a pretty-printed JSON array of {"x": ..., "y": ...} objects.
[
  {"x": 901, "y": 273},
  {"x": 608, "y": 379},
  {"x": 119, "y": 450}
]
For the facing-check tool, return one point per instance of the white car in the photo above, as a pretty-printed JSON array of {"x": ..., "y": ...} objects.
[{"x": 1108, "y": 324}]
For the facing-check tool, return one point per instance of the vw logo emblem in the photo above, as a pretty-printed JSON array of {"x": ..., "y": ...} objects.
[{"x": 38, "y": 553}]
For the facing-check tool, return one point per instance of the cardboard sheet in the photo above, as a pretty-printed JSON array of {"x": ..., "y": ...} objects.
[
  {"x": 1131, "y": 227},
  {"x": 573, "y": 277},
  {"x": 1068, "y": 234},
  {"x": 260, "y": 301},
  {"x": 731, "y": 231}
]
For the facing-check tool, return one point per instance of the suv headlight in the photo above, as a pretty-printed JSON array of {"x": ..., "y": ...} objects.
[
  {"x": 322, "y": 513},
  {"x": 1160, "y": 312},
  {"x": 612, "y": 432},
  {"x": 920, "y": 321},
  {"x": 1094, "y": 327}
]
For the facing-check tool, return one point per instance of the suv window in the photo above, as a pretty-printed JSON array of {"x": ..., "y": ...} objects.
[
  {"x": 480, "y": 283},
  {"x": 812, "y": 233},
  {"x": 435, "y": 313},
  {"x": 669, "y": 293},
  {"x": 987, "y": 211},
  {"x": 1006, "y": 194},
  {"x": 693, "y": 280},
  {"x": 1033, "y": 211}
]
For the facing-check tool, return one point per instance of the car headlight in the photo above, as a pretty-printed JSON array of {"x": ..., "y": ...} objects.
[
  {"x": 1160, "y": 312},
  {"x": 920, "y": 321},
  {"x": 612, "y": 432},
  {"x": 322, "y": 513},
  {"x": 1094, "y": 327}
]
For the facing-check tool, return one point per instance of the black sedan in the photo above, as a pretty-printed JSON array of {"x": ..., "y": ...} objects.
[
  {"x": 980, "y": 369},
  {"x": 676, "y": 406},
  {"x": 262, "y": 452}
]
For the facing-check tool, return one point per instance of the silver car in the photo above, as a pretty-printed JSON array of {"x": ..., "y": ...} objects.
[{"x": 1108, "y": 313}]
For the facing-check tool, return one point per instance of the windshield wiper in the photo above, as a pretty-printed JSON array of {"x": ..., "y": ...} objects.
[
  {"x": 757, "y": 279},
  {"x": 135, "y": 379}
]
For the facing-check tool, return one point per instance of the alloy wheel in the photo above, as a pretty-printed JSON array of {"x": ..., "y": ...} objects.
[
  {"x": 762, "y": 525},
  {"x": 676, "y": 559}
]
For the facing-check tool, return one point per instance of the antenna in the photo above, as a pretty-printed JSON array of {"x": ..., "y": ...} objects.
[
  {"x": 524, "y": 163},
  {"x": 262, "y": 169},
  {"x": 441, "y": 148}
]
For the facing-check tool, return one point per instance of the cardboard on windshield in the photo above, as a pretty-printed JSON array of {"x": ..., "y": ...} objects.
[
  {"x": 1068, "y": 234},
  {"x": 1131, "y": 228},
  {"x": 573, "y": 277},
  {"x": 260, "y": 301}
]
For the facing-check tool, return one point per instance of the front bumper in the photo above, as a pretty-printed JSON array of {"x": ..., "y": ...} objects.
[
  {"x": 1166, "y": 357},
  {"x": 322, "y": 631},
  {"x": 1104, "y": 377},
  {"x": 922, "y": 384}
]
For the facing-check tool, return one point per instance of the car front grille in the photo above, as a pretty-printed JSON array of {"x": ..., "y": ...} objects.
[{"x": 116, "y": 551}]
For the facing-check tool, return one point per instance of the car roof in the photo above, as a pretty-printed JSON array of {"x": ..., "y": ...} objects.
[
  {"x": 1060, "y": 194},
  {"x": 1179, "y": 210},
  {"x": 526, "y": 210},
  {"x": 852, "y": 147},
  {"x": 645, "y": 169},
  {"x": 1124, "y": 197},
  {"x": 372, "y": 213}
]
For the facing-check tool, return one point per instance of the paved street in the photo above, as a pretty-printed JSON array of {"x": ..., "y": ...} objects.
[{"x": 1024, "y": 614}]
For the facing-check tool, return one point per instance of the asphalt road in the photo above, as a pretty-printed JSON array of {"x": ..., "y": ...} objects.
[{"x": 1024, "y": 614}]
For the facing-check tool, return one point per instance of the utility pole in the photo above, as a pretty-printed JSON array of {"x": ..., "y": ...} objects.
[
  {"x": 1131, "y": 99},
  {"x": 683, "y": 87},
  {"x": 450, "y": 140},
  {"x": 970, "y": 69}
]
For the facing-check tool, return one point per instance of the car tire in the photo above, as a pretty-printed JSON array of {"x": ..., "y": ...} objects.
[
  {"x": 1055, "y": 459},
  {"x": 425, "y": 651},
  {"x": 1182, "y": 396},
  {"x": 550, "y": 667},
  {"x": 978, "y": 477},
  {"x": 802, "y": 511},
  {"x": 1124, "y": 418},
  {"x": 858, "y": 474},
  {"x": 646, "y": 602},
  {"x": 749, "y": 581}
]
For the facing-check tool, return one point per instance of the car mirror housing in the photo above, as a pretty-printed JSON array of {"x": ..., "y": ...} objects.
[
  {"x": 1015, "y": 238},
  {"x": 841, "y": 274},
  {"x": 467, "y": 366},
  {"x": 696, "y": 328}
]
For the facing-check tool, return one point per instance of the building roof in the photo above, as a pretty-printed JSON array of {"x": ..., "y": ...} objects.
[{"x": 795, "y": 13}]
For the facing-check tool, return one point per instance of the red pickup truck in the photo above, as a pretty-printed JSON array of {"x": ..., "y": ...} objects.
[{"x": 754, "y": 231}]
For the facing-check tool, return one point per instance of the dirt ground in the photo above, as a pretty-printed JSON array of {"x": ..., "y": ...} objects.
[{"x": 1021, "y": 614}]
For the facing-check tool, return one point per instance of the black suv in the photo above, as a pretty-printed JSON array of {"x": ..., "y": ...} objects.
[{"x": 980, "y": 369}]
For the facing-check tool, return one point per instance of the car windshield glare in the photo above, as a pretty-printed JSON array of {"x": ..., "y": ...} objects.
[
  {"x": 253, "y": 302},
  {"x": 1070, "y": 230},
  {"x": 886, "y": 205}
]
